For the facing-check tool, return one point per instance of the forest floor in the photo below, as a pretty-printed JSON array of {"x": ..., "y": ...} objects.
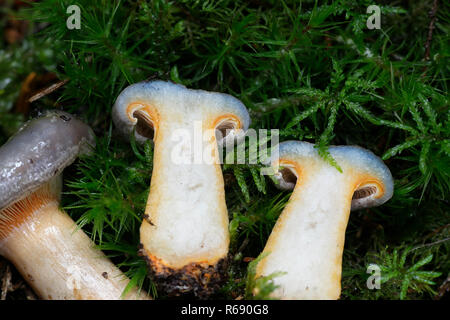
[{"x": 319, "y": 71}]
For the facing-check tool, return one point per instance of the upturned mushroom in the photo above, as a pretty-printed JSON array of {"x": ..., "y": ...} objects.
[
  {"x": 57, "y": 259},
  {"x": 307, "y": 241},
  {"x": 185, "y": 235}
]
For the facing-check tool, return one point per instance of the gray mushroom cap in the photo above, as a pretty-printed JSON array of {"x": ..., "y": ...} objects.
[
  {"x": 361, "y": 160},
  {"x": 39, "y": 151},
  {"x": 177, "y": 99}
]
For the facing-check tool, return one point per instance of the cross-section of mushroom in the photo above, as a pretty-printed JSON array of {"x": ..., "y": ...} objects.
[
  {"x": 185, "y": 233},
  {"x": 58, "y": 260},
  {"x": 307, "y": 241}
]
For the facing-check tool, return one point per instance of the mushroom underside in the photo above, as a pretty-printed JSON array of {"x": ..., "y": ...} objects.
[
  {"x": 224, "y": 128},
  {"x": 289, "y": 178},
  {"x": 144, "y": 124}
]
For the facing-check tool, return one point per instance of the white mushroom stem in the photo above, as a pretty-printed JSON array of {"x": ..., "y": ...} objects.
[
  {"x": 187, "y": 215},
  {"x": 58, "y": 260},
  {"x": 311, "y": 234},
  {"x": 307, "y": 241}
]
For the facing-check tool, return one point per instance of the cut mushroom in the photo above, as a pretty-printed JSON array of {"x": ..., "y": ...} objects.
[
  {"x": 307, "y": 241},
  {"x": 58, "y": 260},
  {"x": 185, "y": 234}
]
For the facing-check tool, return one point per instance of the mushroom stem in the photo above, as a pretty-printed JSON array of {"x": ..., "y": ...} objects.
[
  {"x": 307, "y": 241},
  {"x": 58, "y": 260},
  {"x": 313, "y": 226},
  {"x": 185, "y": 233}
]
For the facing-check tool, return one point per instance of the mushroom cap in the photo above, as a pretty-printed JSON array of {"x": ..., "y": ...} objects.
[
  {"x": 166, "y": 98},
  {"x": 378, "y": 188},
  {"x": 39, "y": 151}
]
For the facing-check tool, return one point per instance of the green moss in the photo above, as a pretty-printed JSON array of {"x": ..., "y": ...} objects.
[{"x": 311, "y": 69}]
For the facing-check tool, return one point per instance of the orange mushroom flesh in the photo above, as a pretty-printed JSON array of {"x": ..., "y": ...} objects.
[{"x": 307, "y": 241}]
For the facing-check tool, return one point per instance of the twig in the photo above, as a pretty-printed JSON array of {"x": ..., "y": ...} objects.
[
  {"x": 48, "y": 90},
  {"x": 430, "y": 30},
  {"x": 430, "y": 244},
  {"x": 435, "y": 231},
  {"x": 6, "y": 283},
  {"x": 443, "y": 288}
]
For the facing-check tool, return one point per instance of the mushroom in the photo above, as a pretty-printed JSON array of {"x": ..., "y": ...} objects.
[
  {"x": 57, "y": 259},
  {"x": 184, "y": 235},
  {"x": 307, "y": 241}
]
